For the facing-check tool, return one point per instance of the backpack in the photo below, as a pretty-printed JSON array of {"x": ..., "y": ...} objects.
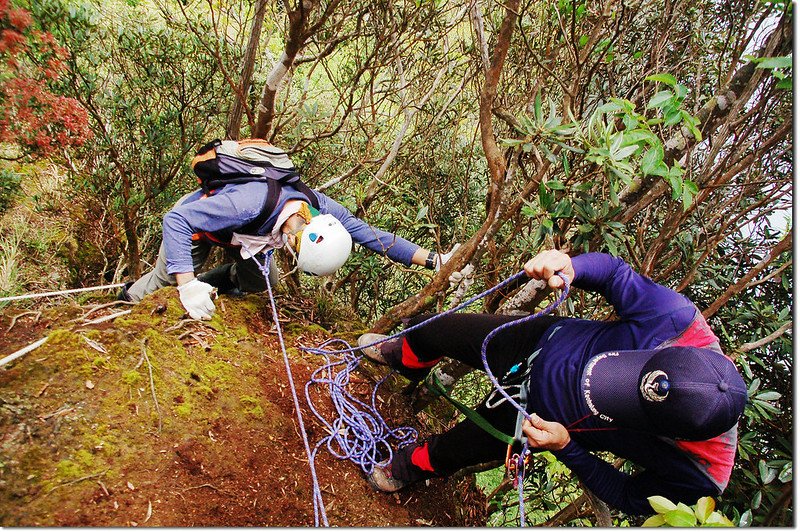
[{"x": 223, "y": 162}]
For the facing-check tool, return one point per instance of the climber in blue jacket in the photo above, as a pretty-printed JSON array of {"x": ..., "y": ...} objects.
[
  {"x": 320, "y": 240},
  {"x": 652, "y": 387}
]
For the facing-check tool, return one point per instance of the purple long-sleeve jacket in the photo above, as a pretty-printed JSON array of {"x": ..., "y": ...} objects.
[
  {"x": 234, "y": 206},
  {"x": 650, "y": 316}
]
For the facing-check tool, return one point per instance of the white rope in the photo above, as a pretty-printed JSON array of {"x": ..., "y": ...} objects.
[
  {"x": 62, "y": 292},
  {"x": 24, "y": 351}
]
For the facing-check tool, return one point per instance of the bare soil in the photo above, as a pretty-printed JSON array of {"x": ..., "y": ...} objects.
[{"x": 150, "y": 420}]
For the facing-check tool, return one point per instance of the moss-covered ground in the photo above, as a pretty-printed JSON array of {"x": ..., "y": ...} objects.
[{"x": 153, "y": 420}]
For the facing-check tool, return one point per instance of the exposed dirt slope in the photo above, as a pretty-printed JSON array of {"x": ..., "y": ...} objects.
[{"x": 148, "y": 420}]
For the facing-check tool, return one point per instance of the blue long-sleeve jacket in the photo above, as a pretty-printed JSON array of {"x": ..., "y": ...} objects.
[
  {"x": 650, "y": 316},
  {"x": 236, "y": 205}
]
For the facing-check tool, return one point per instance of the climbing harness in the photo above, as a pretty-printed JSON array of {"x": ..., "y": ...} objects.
[
  {"x": 525, "y": 450},
  {"x": 61, "y": 292}
]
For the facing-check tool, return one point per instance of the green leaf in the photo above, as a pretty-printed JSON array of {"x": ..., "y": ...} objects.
[
  {"x": 766, "y": 473},
  {"x": 563, "y": 209},
  {"x": 624, "y": 153},
  {"x": 671, "y": 118},
  {"x": 422, "y": 213},
  {"x": 784, "y": 61},
  {"x": 687, "y": 198},
  {"x": 651, "y": 159},
  {"x": 665, "y": 78},
  {"x": 537, "y": 107},
  {"x": 681, "y": 91},
  {"x": 654, "y": 521},
  {"x": 584, "y": 39},
  {"x": 610, "y": 107},
  {"x": 612, "y": 248},
  {"x": 511, "y": 142},
  {"x": 786, "y": 473},
  {"x": 636, "y": 136},
  {"x": 768, "y": 396},
  {"x": 555, "y": 185},
  {"x": 704, "y": 508},
  {"x": 746, "y": 519},
  {"x": 659, "y": 99},
  {"x": 785, "y": 84},
  {"x": 717, "y": 519},
  {"x": 680, "y": 518},
  {"x": 755, "y": 501},
  {"x": 677, "y": 186},
  {"x": 630, "y": 122}
]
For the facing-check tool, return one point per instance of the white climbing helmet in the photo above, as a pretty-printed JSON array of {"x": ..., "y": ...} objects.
[{"x": 324, "y": 245}]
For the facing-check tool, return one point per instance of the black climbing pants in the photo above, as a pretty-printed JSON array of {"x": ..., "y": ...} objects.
[{"x": 460, "y": 336}]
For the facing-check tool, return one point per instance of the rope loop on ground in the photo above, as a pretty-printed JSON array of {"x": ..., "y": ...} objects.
[{"x": 358, "y": 432}]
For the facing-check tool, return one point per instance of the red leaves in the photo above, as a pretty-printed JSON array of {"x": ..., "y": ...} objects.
[
  {"x": 32, "y": 116},
  {"x": 19, "y": 19}
]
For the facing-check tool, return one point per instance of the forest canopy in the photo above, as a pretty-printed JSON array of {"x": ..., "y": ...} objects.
[{"x": 659, "y": 132}]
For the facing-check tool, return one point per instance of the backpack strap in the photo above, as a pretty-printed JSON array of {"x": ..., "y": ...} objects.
[{"x": 273, "y": 195}]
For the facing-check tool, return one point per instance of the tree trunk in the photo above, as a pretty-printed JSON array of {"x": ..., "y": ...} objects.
[
  {"x": 497, "y": 171},
  {"x": 248, "y": 64},
  {"x": 298, "y": 21}
]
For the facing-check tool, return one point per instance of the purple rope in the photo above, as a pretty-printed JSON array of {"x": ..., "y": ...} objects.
[
  {"x": 319, "y": 506},
  {"x": 422, "y": 323},
  {"x": 547, "y": 310},
  {"x": 359, "y": 433}
]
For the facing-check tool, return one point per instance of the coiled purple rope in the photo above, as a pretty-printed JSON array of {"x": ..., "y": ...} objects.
[{"x": 359, "y": 433}]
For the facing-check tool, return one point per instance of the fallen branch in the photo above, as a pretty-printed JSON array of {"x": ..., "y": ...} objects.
[
  {"x": 88, "y": 477},
  {"x": 100, "y": 307},
  {"x": 57, "y": 413},
  {"x": 152, "y": 385},
  {"x": 18, "y": 316}
]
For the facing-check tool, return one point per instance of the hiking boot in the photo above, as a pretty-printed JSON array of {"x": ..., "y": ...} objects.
[
  {"x": 381, "y": 480},
  {"x": 373, "y": 352},
  {"x": 123, "y": 293}
]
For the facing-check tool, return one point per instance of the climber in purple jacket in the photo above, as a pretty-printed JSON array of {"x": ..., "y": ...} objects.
[
  {"x": 231, "y": 217},
  {"x": 652, "y": 387}
]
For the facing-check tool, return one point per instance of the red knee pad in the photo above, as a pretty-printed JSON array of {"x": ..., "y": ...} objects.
[
  {"x": 411, "y": 361},
  {"x": 421, "y": 459}
]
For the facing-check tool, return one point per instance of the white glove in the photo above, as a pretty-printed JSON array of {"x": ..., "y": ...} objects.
[
  {"x": 441, "y": 258},
  {"x": 196, "y": 299},
  {"x": 464, "y": 276}
]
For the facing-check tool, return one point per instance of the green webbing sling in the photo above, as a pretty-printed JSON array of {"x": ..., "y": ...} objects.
[{"x": 434, "y": 385}]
